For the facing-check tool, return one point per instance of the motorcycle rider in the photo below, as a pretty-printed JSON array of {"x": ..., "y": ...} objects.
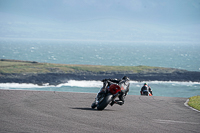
[
  {"x": 107, "y": 82},
  {"x": 146, "y": 89}
]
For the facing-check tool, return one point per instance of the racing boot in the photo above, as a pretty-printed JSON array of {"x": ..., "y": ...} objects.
[{"x": 119, "y": 102}]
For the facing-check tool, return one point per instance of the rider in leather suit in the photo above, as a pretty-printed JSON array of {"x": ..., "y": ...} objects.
[{"x": 146, "y": 89}]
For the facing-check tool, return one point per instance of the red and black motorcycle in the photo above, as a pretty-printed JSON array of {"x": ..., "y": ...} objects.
[{"x": 108, "y": 96}]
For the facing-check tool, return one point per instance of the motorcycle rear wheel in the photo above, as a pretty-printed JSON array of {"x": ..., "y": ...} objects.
[{"x": 102, "y": 105}]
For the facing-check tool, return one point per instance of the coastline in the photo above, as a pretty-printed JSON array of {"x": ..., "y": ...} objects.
[
  {"x": 17, "y": 71},
  {"x": 59, "y": 78}
]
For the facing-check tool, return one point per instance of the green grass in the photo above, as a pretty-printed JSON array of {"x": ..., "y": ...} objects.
[
  {"x": 194, "y": 102},
  {"x": 12, "y": 66}
]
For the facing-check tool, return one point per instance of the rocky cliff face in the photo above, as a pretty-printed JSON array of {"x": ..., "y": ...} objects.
[
  {"x": 54, "y": 74},
  {"x": 57, "y": 78}
]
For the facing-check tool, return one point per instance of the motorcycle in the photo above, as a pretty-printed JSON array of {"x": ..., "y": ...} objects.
[
  {"x": 145, "y": 93},
  {"x": 103, "y": 99}
]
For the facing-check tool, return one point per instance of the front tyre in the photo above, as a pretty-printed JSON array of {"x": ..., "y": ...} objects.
[
  {"x": 102, "y": 105},
  {"x": 93, "y": 105}
]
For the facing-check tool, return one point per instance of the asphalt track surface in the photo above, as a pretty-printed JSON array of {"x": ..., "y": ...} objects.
[{"x": 57, "y": 112}]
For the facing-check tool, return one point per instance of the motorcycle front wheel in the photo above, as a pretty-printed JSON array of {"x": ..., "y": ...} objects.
[{"x": 102, "y": 105}]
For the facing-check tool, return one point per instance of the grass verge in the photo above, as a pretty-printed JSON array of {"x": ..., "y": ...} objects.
[
  {"x": 194, "y": 102},
  {"x": 13, "y": 66}
]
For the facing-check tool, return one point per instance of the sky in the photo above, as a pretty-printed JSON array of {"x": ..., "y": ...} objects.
[{"x": 101, "y": 20}]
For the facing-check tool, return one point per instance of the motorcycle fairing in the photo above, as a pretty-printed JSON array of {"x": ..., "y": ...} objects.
[{"x": 113, "y": 89}]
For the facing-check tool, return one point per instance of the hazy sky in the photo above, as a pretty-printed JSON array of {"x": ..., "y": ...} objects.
[{"x": 112, "y": 20}]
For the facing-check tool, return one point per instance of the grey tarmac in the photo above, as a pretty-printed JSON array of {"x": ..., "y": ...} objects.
[{"x": 56, "y": 112}]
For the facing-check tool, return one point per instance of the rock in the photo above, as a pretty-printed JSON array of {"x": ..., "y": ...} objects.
[{"x": 58, "y": 78}]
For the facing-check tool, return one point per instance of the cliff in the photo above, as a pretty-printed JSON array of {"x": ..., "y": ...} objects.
[{"x": 12, "y": 71}]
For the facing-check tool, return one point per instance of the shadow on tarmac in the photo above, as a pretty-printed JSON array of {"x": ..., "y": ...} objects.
[{"x": 78, "y": 108}]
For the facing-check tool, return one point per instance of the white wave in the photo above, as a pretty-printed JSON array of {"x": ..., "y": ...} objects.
[
  {"x": 82, "y": 83},
  {"x": 91, "y": 83},
  {"x": 71, "y": 83},
  {"x": 19, "y": 86},
  {"x": 166, "y": 82},
  {"x": 138, "y": 85}
]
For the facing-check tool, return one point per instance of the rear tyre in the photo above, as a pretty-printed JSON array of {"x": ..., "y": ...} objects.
[
  {"x": 105, "y": 102},
  {"x": 145, "y": 93}
]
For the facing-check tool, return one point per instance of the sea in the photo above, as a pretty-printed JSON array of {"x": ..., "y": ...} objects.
[{"x": 181, "y": 55}]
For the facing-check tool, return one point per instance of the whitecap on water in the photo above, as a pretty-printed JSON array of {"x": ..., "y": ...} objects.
[
  {"x": 82, "y": 83},
  {"x": 19, "y": 86},
  {"x": 174, "y": 89}
]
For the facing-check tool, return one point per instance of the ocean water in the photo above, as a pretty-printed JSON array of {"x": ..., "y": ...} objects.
[
  {"x": 160, "y": 88},
  {"x": 174, "y": 55}
]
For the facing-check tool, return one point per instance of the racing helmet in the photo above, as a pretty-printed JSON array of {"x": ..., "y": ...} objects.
[{"x": 125, "y": 78}]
